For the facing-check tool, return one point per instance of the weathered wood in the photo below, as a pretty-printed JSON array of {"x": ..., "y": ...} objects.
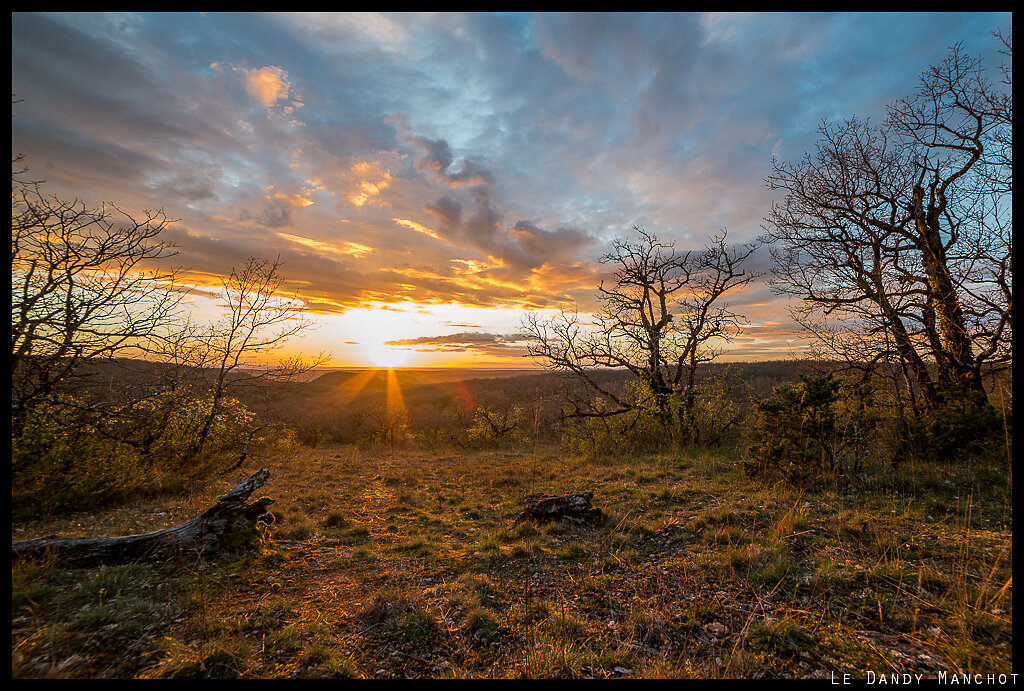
[
  {"x": 548, "y": 507},
  {"x": 203, "y": 535}
]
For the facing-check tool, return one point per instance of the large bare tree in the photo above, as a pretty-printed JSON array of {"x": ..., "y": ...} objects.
[
  {"x": 897, "y": 236},
  {"x": 83, "y": 287},
  {"x": 661, "y": 315}
]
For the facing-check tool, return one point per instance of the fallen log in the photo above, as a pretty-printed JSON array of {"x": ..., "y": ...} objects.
[
  {"x": 574, "y": 507},
  {"x": 225, "y": 523}
]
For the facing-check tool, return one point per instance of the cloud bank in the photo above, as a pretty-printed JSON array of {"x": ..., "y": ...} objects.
[{"x": 477, "y": 159}]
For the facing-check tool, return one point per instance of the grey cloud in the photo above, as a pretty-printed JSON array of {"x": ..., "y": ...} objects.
[
  {"x": 483, "y": 226},
  {"x": 522, "y": 246},
  {"x": 486, "y": 343},
  {"x": 185, "y": 186},
  {"x": 436, "y": 157},
  {"x": 447, "y": 210},
  {"x": 275, "y": 216},
  {"x": 561, "y": 245},
  {"x": 471, "y": 173}
]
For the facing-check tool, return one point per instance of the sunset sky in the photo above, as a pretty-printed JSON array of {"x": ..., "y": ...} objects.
[{"x": 428, "y": 178}]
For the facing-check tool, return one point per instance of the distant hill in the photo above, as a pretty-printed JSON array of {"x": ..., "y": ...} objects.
[
  {"x": 430, "y": 373},
  {"x": 353, "y": 387}
]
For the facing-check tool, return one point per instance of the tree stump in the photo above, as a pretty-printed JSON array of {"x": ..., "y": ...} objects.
[
  {"x": 574, "y": 507},
  {"x": 232, "y": 515}
]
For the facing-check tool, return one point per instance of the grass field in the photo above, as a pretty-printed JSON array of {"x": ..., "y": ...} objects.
[{"x": 412, "y": 564}]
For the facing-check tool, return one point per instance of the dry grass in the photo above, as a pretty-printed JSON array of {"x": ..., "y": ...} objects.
[{"x": 410, "y": 564}]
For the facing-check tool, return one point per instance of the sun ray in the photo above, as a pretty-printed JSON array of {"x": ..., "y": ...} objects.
[
  {"x": 356, "y": 384},
  {"x": 395, "y": 402}
]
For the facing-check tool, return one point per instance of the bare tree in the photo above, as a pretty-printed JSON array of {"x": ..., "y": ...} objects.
[
  {"x": 185, "y": 403},
  {"x": 389, "y": 421},
  {"x": 231, "y": 354},
  {"x": 899, "y": 235},
  {"x": 660, "y": 318},
  {"x": 87, "y": 287},
  {"x": 81, "y": 288},
  {"x": 498, "y": 417}
]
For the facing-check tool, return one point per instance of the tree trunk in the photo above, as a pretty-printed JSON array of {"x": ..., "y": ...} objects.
[
  {"x": 546, "y": 507},
  {"x": 202, "y": 535},
  {"x": 956, "y": 357}
]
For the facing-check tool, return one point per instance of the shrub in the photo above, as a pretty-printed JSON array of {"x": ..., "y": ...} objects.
[
  {"x": 59, "y": 462},
  {"x": 722, "y": 405},
  {"x": 178, "y": 447},
  {"x": 963, "y": 425},
  {"x": 645, "y": 429},
  {"x": 494, "y": 425},
  {"x": 68, "y": 455},
  {"x": 794, "y": 437}
]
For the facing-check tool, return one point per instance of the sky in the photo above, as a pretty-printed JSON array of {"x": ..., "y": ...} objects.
[{"x": 428, "y": 179}]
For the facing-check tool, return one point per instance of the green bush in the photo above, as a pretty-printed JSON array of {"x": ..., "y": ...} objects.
[
  {"x": 59, "y": 461},
  {"x": 496, "y": 425},
  {"x": 710, "y": 415},
  {"x": 964, "y": 425},
  {"x": 722, "y": 406},
  {"x": 178, "y": 446},
  {"x": 794, "y": 437},
  {"x": 67, "y": 456},
  {"x": 645, "y": 428}
]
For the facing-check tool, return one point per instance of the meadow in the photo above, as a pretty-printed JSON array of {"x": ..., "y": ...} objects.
[{"x": 402, "y": 555}]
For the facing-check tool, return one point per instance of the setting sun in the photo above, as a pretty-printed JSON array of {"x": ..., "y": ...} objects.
[{"x": 381, "y": 355}]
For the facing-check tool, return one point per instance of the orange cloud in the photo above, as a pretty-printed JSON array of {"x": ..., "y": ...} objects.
[
  {"x": 500, "y": 345},
  {"x": 353, "y": 249},
  {"x": 267, "y": 84},
  {"x": 296, "y": 200},
  {"x": 373, "y": 180},
  {"x": 418, "y": 227}
]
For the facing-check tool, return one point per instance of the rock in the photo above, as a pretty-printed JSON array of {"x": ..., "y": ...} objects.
[{"x": 716, "y": 629}]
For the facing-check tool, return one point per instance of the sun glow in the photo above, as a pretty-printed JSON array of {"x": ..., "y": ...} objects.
[
  {"x": 381, "y": 355},
  {"x": 410, "y": 334}
]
